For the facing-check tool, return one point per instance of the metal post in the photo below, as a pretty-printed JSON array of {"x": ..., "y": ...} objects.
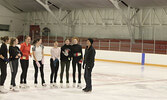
[
  {"x": 142, "y": 42},
  {"x": 33, "y": 35},
  {"x": 99, "y": 44},
  {"x": 109, "y": 45},
  {"x": 119, "y": 45},
  {"x": 48, "y": 39},
  {"x": 80, "y": 42},
  {"x": 130, "y": 46},
  {"x": 14, "y": 33},
  {"x": 24, "y": 35},
  {"x": 154, "y": 38}
]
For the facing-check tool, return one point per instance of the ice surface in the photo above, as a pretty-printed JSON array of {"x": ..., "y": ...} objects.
[{"x": 111, "y": 81}]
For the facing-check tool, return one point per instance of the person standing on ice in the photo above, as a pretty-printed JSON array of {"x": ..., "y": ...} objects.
[
  {"x": 88, "y": 64},
  {"x": 77, "y": 60},
  {"x": 38, "y": 60},
  {"x": 24, "y": 61},
  {"x": 65, "y": 57},
  {"x": 54, "y": 64},
  {"x": 14, "y": 55},
  {"x": 3, "y": 63}
]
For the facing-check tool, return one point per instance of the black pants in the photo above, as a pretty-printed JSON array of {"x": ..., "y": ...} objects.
[
  {"x": 88, "y": 77},
  {"x": 74, "y": 63},
  {"x": 54, "y": 70},
  {"x": 63, "y": 64},
  {"x": 36, "y": 72},
  {"x": 24, "y": 67},
  {"x": 3, "y": 68},
  {"x": 14, "y": 68}
]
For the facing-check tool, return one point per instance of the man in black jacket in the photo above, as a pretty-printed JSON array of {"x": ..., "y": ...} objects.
[{"x": 89, "y": 59}]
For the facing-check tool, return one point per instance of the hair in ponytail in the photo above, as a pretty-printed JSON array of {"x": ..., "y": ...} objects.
[
  {"x": 75, "y": 38},
  {"x": 35, "y": 41},
  {"x": 5, "y": 38},
  {"x": 66, "y": 39},
  {"x": 26, "y": 36},
  {"x": 12, "y": 40}
]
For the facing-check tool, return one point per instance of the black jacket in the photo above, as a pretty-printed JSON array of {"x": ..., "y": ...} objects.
[
  {"x": 13, "y": 52},
  {"x": 66, "y": 53},
  {"x": 77, "y": 52},
  {"x": 89, "y": 57},
  {"x": 4, "y": 51}
]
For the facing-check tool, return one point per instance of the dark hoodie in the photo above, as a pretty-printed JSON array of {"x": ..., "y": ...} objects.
[
  {"x": 66, "y": 53},
  {"x": 89, "y": 56},
  {"x": 13, "y": 52},
  {"x": 4, "y": 51}
]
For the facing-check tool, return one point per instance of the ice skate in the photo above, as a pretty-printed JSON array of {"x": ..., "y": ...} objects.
[
  {"x": 79, "y": 86},
  {"x": 14, "y": 89},
  {"x": 44, "y": 85},
  {"x": 51, "y": 85},
  {"x": 74, "y": 85},
  {"x": 26, "y": 86},
  {"x": 61, "y": 85},
  {"x": 3, "y": 90},
  {"x": 67, "y": 85},
  {"x": 35, "y": 85},
  {"x": 55, "y": 85},
  {"x": 21, "y": 86}
]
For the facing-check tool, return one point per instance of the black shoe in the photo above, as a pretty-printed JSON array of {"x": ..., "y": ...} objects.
[
  {"x": 84, "y": 89},
  {"x": 88, "y": 90}
]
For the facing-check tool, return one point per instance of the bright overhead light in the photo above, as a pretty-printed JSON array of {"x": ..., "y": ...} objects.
[{"x": 115, "y": 3}]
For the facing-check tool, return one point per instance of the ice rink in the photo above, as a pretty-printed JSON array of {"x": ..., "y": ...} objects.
[{"x": 111, "y": 81}]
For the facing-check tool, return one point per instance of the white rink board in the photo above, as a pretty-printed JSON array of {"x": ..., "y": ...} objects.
[
  {"x": 133, "y": 57},
  {"x": 126, "y": 56}
]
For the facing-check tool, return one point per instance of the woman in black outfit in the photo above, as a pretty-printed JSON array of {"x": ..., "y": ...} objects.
[
  {"x": 3, "y": 63},
  {"x": 65, "y": 57},
  {"x": 15, "y": 54},
  {"x": 77, "y": 60}
]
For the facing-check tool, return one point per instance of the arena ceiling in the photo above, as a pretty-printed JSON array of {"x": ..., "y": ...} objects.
[{"x": 32, "y": 5}]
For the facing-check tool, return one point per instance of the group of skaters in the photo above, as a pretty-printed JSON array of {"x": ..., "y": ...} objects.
[{"x": 70, "y": 51}]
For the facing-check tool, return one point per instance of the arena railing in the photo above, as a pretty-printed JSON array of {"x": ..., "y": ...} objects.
[{"x": 144, "y": 46}]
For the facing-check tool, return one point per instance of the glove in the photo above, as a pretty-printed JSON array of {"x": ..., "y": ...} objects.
[
  {"x": 38, "y": 64},
  {"x": 80, "y": 62},
  {"x": 55, "y": 62},
  {"x": 6, "y": 60},
  {"x": 43, "y": 61}
]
